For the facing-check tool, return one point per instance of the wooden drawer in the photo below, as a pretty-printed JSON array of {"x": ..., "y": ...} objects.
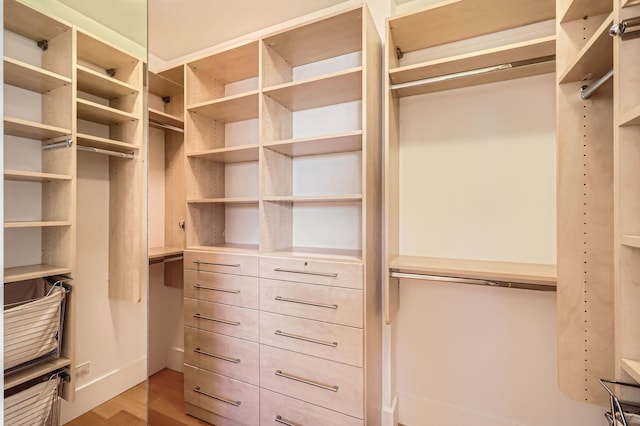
[
  {"x": 276, "y": 409},
  {"x": 325, "y": 383},
  {"x": 237, "y": 264},
  {"x": 321, "y": 339},
  {"x": 224, "y": 319},
  {"x": 329, "y": 304},
  {"x": 232, "y": 399},
  {"x": 235, "y": 290},
  {"x": 339, "y": 274},
  {"x": 235, "y": 358}
]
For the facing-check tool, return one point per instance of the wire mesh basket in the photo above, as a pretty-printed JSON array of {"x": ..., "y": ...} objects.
[
  {"x": 622, "y": 412},
  {"x": 37, "y": 404}
]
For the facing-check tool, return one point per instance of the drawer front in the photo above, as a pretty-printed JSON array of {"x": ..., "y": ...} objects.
[
  {"x": 235, "y": 290},
  {"x": 276, "y": 409},
  {"x": 224, "y": 319},
  {"x": 221, "y": 395},
  {"x": 235, "y": 358},
  {"x": 325, "y": 383},
  {"x": 339, "y": 274},
  {"x": 321, "y": 339},
  {"x": 329, "y": 304},
  {"x": 237, "y": 264}
]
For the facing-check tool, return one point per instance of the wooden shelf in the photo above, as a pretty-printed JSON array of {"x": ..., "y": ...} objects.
[
  {"x": 630, "y": 240},
  {"x": 335, "y": 88},
  {"x": 330, "y": 144},
  {"x": 595, "y": 58},
  {"x": 454, "y": 20},
  {"x": 327, "y": 38},
  {"x": 578, "y": 9},
  {"x": 235, "y": 64},
  {"x": 232, "y": 108},
  {"x": 235, "y": 154},
  {"x": 102, "y": 85},
  {"x": 23, "y": 20},
  {"x": 102, "y": 54},
  {"x": 319, "y": 253},
  {"x": 32, "y": 130},
  {"x": 631, "y": 118},
  {"x": 314, "y": 198},
  {"x": 164, "y": 118},
  {"x": 104, "y": 143},
  {"x": 35, "y": 372},
  {"x": 163, "y": 86},
  {"x": 237, "y": 200},
  {"x": 29, "y": 272},
  {"x": 631, "y": 367},
  {"x": 529, "y": 273},
  {"x": 629, "y": 3},
  {"x": 228, "y": 247},
  {"x": 18, "y": 175},
  {"x": 161, "y": 252},
  {"x": 97, "y": 113},
  {"x": 531, "y": 49},
  {"x": 37, "y": 224},
  {"x": 32, "y": 78}
]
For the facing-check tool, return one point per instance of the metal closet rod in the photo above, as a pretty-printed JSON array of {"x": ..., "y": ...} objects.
[
  {"x": 621, "y": 28},
  {"x": 587, "y": 91},
  {"x": 474, "y": 281},
  {"x": 474, "y": 72},
  {"x": 165, "y": 126},
  {"x": 64, "y": 144},
  {"x": 106, "y": 151}
]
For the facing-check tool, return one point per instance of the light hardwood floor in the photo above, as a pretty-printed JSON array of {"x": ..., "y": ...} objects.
[{"x": 166, "y": 405}]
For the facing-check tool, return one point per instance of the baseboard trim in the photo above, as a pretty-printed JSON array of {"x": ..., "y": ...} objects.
[
  {"x": 390, "y": 414},
  {"x": 175, "y": 360}
]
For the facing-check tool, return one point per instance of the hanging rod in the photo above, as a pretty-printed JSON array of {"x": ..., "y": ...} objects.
[
  {"x": 474, "y": 281},
  {"x": 166, "y": 260},
  {"x": 64, "y": 144},
  {"x": 621, "y": 28},
  {"x": 107, "y": 152},
  {"x": 165, "y": 126},
  {"x": 474, "y": 72},
  {"x": 587, "y": 91}
]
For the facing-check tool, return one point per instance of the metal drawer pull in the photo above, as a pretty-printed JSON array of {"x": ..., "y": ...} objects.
[
  {"x": 320, "y": 274},
  {"x": 304, "y": 302},
  {"x": 230, "y": 265},
  {"x": 222, "y": 357},
  {"x": 224, "y": 290},
  {"x": 306, "y": 381},
  {"x": 280, "y": 419},
  {"x": 306, "y": 339},
  {"x": 234, "y": 323},
  {"x": 225, "y": 400}
]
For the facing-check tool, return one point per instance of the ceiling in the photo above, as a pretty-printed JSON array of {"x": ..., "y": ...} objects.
[{"x": 180, "y": 27}]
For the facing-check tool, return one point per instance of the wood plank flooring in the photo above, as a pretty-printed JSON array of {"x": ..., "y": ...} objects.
[{"x": 166, "y": 405}]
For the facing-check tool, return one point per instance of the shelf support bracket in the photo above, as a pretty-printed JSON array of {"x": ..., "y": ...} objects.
[
  {"x": 43, "y": 44},
  {"x": 399, "y": 53}
]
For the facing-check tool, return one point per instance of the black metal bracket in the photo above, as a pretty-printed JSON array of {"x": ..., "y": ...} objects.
[
  {"x": 43, "y": 44},
  {"x": 399, "y": 53},
  {"x": 166, "y": 99},
  {"x": 111, "y": 72}
]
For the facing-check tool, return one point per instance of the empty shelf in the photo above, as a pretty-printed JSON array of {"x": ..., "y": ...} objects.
[
  {"x": 32, "y": 130},
  {"x": 104, "y": 143},
  {"x": 236, "y": 200},
  {"x": 162, "y": 86},
  {"x": 102, "y": 85},
  {"x": 228, "y": 66},
  {"x": 102, "y": 54},
  {"x": 631, "y": 367},
  {"x": 102, "y": 114},
  {"x": 161, "y": 252},
  {"x": 320, "y": 253},
  {"x": 330, "y": 144},
  {"x": 23, "y": 20},
  {"x": 315, "y": 198},
  {"x": 164, "y": 118},
  {"x": 631, "y": 118},
  {"x": 630, "y": 240},
  {"x": 29, "y": 272},
  {"x": 232, "y": 108},
  {"x": 35, "y": 372},
  {"x": 578, "y": 9},
  {"x": 228, "y": 247},
  {"x": 32, "y": 78},
  {"x": 18, "y": 175},
  {"x": 236, "y": 154},
  {"x": 37, "y": 224}
]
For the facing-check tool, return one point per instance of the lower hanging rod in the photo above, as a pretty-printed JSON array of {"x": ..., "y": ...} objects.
[
  {"x": 106, "y": 151},
  {"x": 474, "y": 281},
  {"x": 165, "y": 126},
  {"x": 587, "y": 91}
]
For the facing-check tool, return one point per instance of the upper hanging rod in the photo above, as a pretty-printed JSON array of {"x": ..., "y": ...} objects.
[
  {"x": 621, "y": 28},
  {"x": 64, "y": 144},
  {"x": 165, "y": 126},
  {"x": 474, "y": 281},
  {"x": 587, "y": 91},
  {"x": 107, "y": 152},
  {"x": 474, "y": 72}
]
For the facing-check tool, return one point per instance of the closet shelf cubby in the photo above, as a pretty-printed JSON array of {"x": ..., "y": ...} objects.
[
  {"x": 330, "y": 144},
  {"x": 91, "y": 111},
  {"x": 529, "y": 273},
  {"x": 335, "y": 88},
  {"x": 35, "y": 371},
  {"x": 228, "y": 248},
  {"x": 229, "y": 109},
  {"x": 34, "y": 79},
  {"x": 595, "y": 59},
  {"x": 630, "y": 240},
  {"x": 105, "y": 143},
  {"x": 107, "y": 57},
  {"x": 313, "y": 198},
  {"x": 162, "y": 252},
  {"x": 578, "y": 9},
  {"x": 19, "y": 175},
  {"x": 631, "y": 367},
  {"x": 235, "y": 154},
  {"x": 318, "y": 253},
  {"x": 21, "y": 19},
  {"x": 37, "y": 224},
  {"x": 32, "y": 130},
  {"x": 29, "y": 272},
  {"x": 162, "y": 85},
  {"x": 631, "y": 118},
  {"x": 102, "y": 85},
  {"x": 230, "y": 200},
  {"x": 164, "y": 118},
  {"x": 540, "y": 48}
]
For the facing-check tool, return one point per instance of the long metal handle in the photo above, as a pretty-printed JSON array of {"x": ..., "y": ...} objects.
[
  {"x": 504, "y": 284},
  {"x": 319, "y": 274},
  {"x": 230, "y": 265},
  {"x": 333, "y": 388},
  {"x": 234, "y": 323},
  {"x": 219, "y": 398},
  {"x": 222, "y": 357},
  {"x": 305, "y": 302},
  {"x": 306, "y": 339},
  {"x": 282, "y": 420},
  {"x": 224, "y": 290}
]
